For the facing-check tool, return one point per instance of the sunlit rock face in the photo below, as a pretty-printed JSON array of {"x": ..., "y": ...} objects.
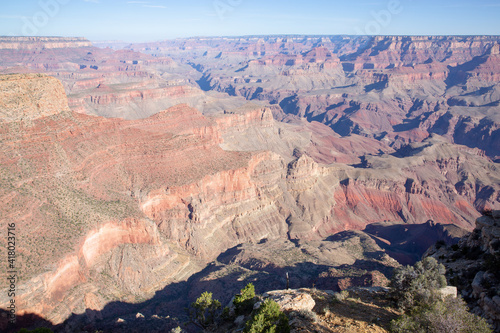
[{"x": 151, "y": 170}]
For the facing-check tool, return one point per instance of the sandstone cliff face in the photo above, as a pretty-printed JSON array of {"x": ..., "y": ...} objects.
[
  {"x": 333, "y": 199},
  {"x": 28, "y": 97},
  {"x": 222, "y": 210},
  {"x": 232, "y": 47},
  {"x": 317, "y": 201},
  {"x": 103, "y": 193},
  {"x": 118, "y": 99},
  {"x": 244, "y": 119},
  {"x": 382, "y": 51},
  {"x": 106, "y": 256},
  {"x": 179, "y": 187}
]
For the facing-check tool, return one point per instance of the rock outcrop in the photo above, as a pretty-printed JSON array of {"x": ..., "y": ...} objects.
[
  {"x": 29, "y": 97},
  {"x": 473, "y": 266},
  {"x": 291, "y": 300}
]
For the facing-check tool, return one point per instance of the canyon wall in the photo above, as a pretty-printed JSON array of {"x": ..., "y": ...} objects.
[
  {"x": 104, "y": 192},
  {"x": 402, "y": 88},
  {"x": 158, "y": 166}
]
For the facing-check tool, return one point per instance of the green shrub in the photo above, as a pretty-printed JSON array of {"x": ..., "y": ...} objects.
[
  {"x": 225, "y": 314},
  {"x": 203, "y": 311},
  {"x": 418, "y": 285},
  {"x": 36, "y": 330},
  {"x": 244, "y": 302},
  {"x": 415, "y": 289},
  {"x": 450, "y": 315},
  {"x": 268, "y": 319}
]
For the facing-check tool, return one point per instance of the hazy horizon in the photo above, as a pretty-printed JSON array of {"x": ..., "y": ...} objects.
[{"x": 152, "y": 20}]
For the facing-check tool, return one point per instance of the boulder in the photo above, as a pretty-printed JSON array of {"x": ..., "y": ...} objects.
[
  {"x": 448, "y": 291},
  {"x": 291, "y": 300},
  {"x": 476, "y": 284}
]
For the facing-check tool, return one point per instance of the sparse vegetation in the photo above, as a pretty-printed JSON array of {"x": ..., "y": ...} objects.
[
  {"x": 244, "y": 302},
  {"x": 307, "y": 315},
  {"x": 326, "y": 310},
  {"x": 342, "y": 296},
  {"x": 36, "y": 330},
  {"x": 203, "y": 311},
  {"x": 178, "y": 329},
  {"x": 415, "y": 290},
  {"x": 268, "y": 319},
  {"x": 418, "y": 285},
  {"x": 450, "y": 315}
]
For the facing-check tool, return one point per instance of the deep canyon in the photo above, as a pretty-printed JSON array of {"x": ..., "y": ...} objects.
[{"x": 140, "y": 176}]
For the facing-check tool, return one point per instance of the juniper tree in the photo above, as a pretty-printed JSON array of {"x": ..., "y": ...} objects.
[{"x": 418, "y": 285}]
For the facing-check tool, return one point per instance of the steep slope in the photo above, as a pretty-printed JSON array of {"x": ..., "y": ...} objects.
[
  {"x": 82, "y": 183},
  {"x": 177, "y": 187},
  {"x": 472, "y": 265}
]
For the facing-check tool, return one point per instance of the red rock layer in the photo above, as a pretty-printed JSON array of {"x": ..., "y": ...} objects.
[
  {"x": 87, "y": 184},
  {"x": 123, "y": 98}
]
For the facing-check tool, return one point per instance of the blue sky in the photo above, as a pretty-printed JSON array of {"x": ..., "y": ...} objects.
[{"x": 150, "y": 20}]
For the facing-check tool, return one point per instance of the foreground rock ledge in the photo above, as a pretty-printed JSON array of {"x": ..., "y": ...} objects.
[{"x": 291, "y": 300}]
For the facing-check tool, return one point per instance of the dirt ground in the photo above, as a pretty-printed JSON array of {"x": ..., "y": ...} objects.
[{"x": 362, "y": 311}]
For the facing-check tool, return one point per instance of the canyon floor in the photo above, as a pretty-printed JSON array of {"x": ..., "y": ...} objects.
[{"x": 140, "y": 176}]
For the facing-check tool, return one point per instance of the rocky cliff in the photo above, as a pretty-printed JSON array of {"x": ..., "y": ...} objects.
[
  {"x": 102, "y": 193},
  {"x": 28, "y": 97},
  {"x": 104, "y": 82},
  {"x": 178, "y": 186},
  {"x": 472, "y": 265},
  {"x": 403, "y": 88}
]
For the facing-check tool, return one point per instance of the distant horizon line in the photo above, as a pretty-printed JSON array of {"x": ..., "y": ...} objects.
[{"x": 255, "y": 36}]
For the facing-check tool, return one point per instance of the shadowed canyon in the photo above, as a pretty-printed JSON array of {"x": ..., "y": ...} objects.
[{"x": 140, "y": 176}]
